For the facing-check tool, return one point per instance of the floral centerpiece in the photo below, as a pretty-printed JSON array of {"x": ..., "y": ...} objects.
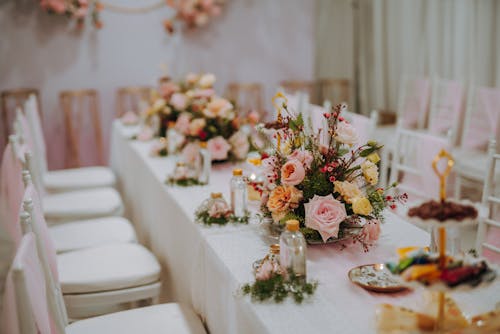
[
  {"x": 75, "y": 9},
  {"x": 193, "y": 13},
  {"x": 324, "y": 180}
]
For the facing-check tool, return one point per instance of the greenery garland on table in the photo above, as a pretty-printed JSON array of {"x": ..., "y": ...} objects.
[
  {"x": 278, "y": 288},
  {"x": 205, "y": 218},
  {"x": 185, "y": 182}
]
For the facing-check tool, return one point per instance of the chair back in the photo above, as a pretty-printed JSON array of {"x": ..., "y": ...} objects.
[
  {"x": 488, "y": 235},
  {"x": 26, "y": 309},
  {"x": 413, "y": 102},
  {"x": 10, "y": 101},
  {"x": 301, "y": 86},
  {"x": 412, "y": 163},
  {"x": 335, "y": 90},
  {"x": 247, "y": 97},
  {"x": 83, "y": 127},
  {"x": 131, "y": 99},
  {"x": 39, "y": 148},
  {"x": 446, "y": 109},
  {"x": 482, "y": 117}
]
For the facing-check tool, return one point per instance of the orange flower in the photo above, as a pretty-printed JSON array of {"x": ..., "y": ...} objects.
[{"x": 283, "y": 199}]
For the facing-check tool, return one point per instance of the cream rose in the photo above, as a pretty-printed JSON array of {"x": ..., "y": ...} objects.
[
  {"x": 324, "y": 214},
  {"x": 207, "y": 80},
  {"x": 218, "y": 107},
  {"x": 347, "y": 190},
  {"x": 239, "y": 145},
  {"x": 196, "y": 126},
  {"x": 346, "y": 133},
  {"x": 292, "y": 173},
  {"x": 361, "y": 206},
  {"x": 370, "y": 172}
]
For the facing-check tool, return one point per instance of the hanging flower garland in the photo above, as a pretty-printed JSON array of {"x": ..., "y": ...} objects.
[{"x": 190, "y": 14}]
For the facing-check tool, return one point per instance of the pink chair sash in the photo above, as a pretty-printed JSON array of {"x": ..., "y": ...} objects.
[
  {"x": 11, "y": 194},
  {"x": 416, "y": 103},
  {"x": 33, "y": 284},
  {"x": 483, "y": 123},
  {"x": 447, "y": 110},
  {"x": 42, "y": 229},
  {"x": 427, "y": 182}
]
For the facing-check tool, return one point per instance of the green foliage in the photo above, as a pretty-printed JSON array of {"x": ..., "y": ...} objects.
[
  {"x": 315, "y": 184},
  {"x": 278, "y": 288},
  {"x": 187, "y": 182},
  {"x": 204, "y": 218}
]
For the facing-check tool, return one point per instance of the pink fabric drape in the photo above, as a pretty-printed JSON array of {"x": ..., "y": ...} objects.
[
  {"x": 42, "y": 230},
  {"x": 483, "y": 123},
  {"x": 416, "y": 103},
  {"x": 427, "y": 147},
  {"x": 448, "y": 109},
  {"x": 35, "y": 287}
]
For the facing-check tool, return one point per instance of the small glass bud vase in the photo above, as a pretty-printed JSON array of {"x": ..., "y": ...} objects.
[
  {"x": 173, "y": 138},
  {"x": 269, "y": 265},
  {"x": 239, "y": 196},
  {"x": 205, "y": 163},
  {"x": 217, "y": 203},
  {"x": 181, "y": 171},
  {"x": 293, "y": 250}
]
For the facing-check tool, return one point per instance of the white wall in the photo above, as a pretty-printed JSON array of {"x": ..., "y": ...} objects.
[{"x": 254, "y": 40}]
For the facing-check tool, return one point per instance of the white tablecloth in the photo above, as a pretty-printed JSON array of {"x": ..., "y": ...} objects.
[{"x": 205, "y": 266}]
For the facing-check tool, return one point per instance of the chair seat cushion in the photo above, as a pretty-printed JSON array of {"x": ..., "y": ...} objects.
[
  {"x": 92, "y": 233},
  {"x": 82, "y": 204},
  {"x": 472, "y": 164},
  {"x": 165, "y": 318},
  {"x": 106, "y": 268},
  {"x": 78, "y": 178}
]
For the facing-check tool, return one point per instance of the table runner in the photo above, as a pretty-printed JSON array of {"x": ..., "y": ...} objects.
[{"x": 205, "y": 266}]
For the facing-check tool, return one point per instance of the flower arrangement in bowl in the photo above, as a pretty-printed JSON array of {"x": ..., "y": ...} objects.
[{"x": 324, "y": 180}]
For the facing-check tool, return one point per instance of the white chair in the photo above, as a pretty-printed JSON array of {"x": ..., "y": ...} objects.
[
  {"x": 71, "y": 205},
  {"x": 488, "y": 236},
  {"x": 96, "y": 280},
  {"x": 30, "y": 313},
  {"x": 482, "y": 123},
  {"x": 446, "y": 109},
  {"x": 65, "y": 179},
  {"x": 411, "y": 165},
  {"x": 69, "y": 236}
]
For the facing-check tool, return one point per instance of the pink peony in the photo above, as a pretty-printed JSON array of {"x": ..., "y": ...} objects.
[
  {"x": 240, "y": 145},
  {"x": 370, "y": 232},
  {"x": 324, "y": 214},
  {"x": 292, "y": 172},
  {"x": 179, "y": 101},
  {"x": 190, "y": 154},
  {"x": 303, "y": 156},
  {"x": 218, "y": 148},
  {"x": 182, "y": 124}
]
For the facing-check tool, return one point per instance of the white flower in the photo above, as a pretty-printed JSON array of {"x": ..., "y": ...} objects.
[
  {"x": 239, "y": 145},
  {"x": 346, "y": 133},
  {"x": 207, "y": 80},
  {"x": 159, "y": 104}
]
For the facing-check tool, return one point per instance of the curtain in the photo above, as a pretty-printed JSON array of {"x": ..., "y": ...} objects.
[{"x": 453, "y": 39}]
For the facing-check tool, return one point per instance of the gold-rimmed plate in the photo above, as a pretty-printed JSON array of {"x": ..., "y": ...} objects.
[{"x": 374, "y": 277}]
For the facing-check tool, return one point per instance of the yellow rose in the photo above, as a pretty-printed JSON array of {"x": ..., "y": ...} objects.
[
  {"x": 347, "y": 190},
  {"x": 361, "y": 206},
  {"x": 373, "y": 157},
  {"x": 283, "y": 199},
  {"x": 370, "y": 172}
]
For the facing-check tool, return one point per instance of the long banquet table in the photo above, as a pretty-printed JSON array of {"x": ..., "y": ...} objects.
[{"x": 205, "y": 266}]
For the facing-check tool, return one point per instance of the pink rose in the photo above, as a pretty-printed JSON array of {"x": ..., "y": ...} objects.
[
  {"x": 292, "y": 172},
  {"x": 182, "y": 124},
  {"x": 219, "y": 209},
  {"x": 370, "y": 231},
  {"x": 191, "y": 153},
  {"x": 324, "y": 214},
  {"x": 266, "y": 271},
  {"x": 218, "y": 148},
  {"x": 303, "y": 156},
  {"x": 179, "y": 101},
  {"x": 146, "y": 134}
]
